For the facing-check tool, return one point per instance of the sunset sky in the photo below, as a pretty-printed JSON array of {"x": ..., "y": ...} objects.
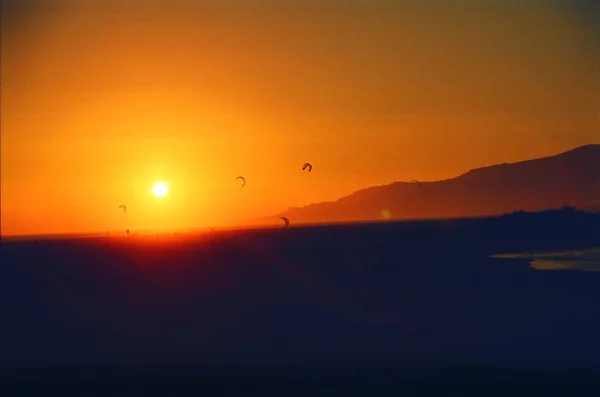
[{"x": 101, "y": 99}]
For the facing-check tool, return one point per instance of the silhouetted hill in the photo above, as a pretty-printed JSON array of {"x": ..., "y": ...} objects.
[{"x": 567, "y": 179}]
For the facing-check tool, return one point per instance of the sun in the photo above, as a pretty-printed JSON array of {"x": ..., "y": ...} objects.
[{"x": 160, "y": 189}]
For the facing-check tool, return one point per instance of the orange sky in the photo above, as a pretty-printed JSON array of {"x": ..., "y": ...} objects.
[{"x": 102, "y": 98}]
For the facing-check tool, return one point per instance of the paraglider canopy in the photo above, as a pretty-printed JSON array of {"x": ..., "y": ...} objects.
[
  {"x": 243, "y": 180},
  {"x": 286, "y": 220},
  {"x": 307, "y": 165},
  {"x": 418, "y": 184},
  {"x": 123, "y": 207}
]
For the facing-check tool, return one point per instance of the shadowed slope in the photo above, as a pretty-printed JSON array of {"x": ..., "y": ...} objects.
[{"x": 568, "y": 179}]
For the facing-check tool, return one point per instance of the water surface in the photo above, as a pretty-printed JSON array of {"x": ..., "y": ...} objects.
[{"x": 582, "y": 260}]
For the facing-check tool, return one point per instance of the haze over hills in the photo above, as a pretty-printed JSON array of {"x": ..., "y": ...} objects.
[{"x": 571, "y": 178}]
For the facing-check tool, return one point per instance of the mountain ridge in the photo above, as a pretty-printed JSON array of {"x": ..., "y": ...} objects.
[{"x": 570, "y": 178}]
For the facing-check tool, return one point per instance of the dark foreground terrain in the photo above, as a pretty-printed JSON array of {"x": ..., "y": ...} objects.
[{"x": 412, "y": 307}]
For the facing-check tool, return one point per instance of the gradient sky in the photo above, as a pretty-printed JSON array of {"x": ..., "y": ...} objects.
[{"x": 102, "y": 98}]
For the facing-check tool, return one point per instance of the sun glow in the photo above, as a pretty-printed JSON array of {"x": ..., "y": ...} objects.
[{"x": 160, "y": 189}]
